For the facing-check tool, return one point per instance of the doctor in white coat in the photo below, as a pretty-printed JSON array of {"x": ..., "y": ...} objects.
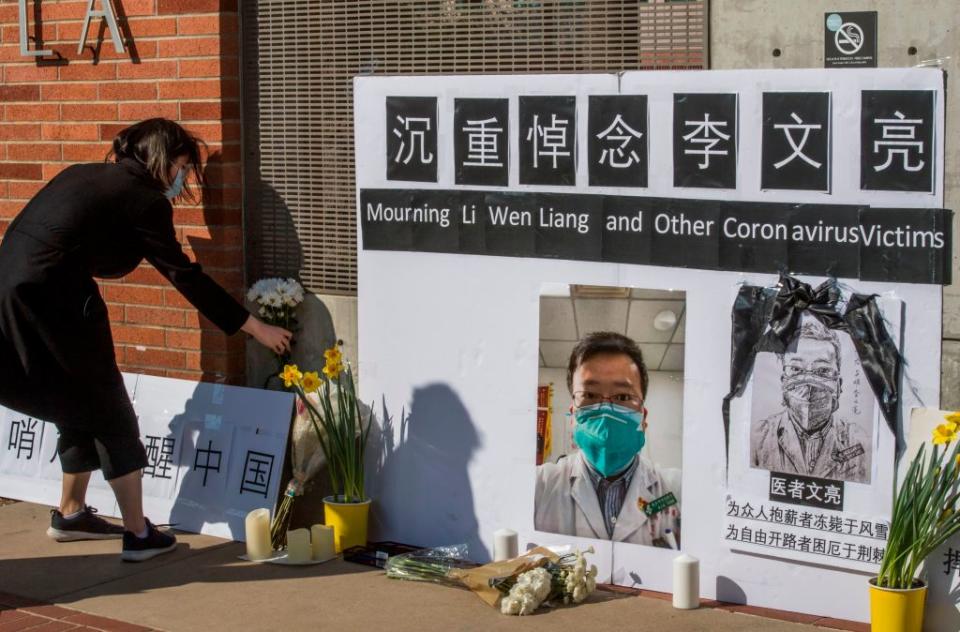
[{"x": 605, "y": 489}]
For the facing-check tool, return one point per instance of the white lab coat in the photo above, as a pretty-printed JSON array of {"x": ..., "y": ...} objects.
[{"x": 566, "y": 503}]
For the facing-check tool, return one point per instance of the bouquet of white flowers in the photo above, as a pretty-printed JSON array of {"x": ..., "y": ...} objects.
[
  {"x": 277, "y": 300},
  {"x": 519, "y": 586}
]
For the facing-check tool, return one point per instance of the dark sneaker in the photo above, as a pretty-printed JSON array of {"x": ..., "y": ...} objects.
[
  {"x": 86, "y": 526},
  {"x": 156, "y": 543}
]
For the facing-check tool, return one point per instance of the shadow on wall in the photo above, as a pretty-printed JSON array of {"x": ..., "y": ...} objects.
[
  {"x": 419, "y": 481},
  {"x": 730, "y": 591},
  {"x": 221, "y": 356},
  {"x": 215, "y": 485}
]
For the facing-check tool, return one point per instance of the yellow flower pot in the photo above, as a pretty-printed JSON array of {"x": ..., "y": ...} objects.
[
  {"x": 895, "y": 609},
  {"x": 349, "y": 522}
]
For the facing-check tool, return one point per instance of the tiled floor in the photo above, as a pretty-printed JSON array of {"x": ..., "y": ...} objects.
[{"x": 18, "y": 613}]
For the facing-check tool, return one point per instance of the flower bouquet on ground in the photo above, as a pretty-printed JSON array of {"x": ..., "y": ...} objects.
[
  {"x": 925, "y": 515},
  {"x": 306, "y": 459},
  {"x": 519, "y": 586},
  {"x": 331, "y": 409}
]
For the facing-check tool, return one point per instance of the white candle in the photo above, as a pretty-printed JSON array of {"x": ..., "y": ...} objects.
[
  {"x": 257, "y": 526},
  {"x": 322, "y": 537},
  {"x": 504, "y": 545},
  {"x": 298, "y": 546},
  {"x": 686, "y": 582}
]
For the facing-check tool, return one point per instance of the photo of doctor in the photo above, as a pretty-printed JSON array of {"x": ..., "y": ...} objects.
[{"x": 606, "y": 489}]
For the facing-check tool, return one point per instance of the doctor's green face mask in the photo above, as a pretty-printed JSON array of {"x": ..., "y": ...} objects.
[{"x": 609, "y": 435}]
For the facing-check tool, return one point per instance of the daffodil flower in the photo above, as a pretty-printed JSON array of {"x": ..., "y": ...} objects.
[
  {"x": 291, "y": 375},
  {"x": 311, "y": 381},
  {"x": 944, "y": 433},
  {"x": 332, "y": 369}
]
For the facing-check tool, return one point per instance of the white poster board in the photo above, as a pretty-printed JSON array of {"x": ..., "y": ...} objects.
[
  {"x": 214, "y": 451},
  {"x": 450, "y": 341}
]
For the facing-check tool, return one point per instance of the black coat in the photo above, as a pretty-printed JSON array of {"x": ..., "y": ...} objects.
[{"x": 57, "y": 359}]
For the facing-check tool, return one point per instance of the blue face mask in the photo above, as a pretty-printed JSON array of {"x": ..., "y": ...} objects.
[
  {"x": 177, "y": 185},
  {"x": 609, "y": 436}
]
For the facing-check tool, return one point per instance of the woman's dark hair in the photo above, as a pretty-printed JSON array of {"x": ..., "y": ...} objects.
[
  {"x": 156, "y": 144},
  {"x": 607, "y": 342}
]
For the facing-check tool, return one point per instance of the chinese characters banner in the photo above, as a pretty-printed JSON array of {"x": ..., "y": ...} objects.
[
  {"x": 214, "y": 453},
  {"x": 816, "y": 173},
  {"x": 805, "y": 533}
]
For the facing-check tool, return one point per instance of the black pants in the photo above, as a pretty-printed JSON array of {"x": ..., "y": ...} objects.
[{"x": 85, "y": 451}]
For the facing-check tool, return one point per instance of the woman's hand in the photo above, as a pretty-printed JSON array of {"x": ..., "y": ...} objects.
[{"x": 277, "y": 339}]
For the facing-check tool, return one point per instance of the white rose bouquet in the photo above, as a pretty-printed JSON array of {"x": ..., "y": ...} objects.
[{"x": 518, "y": 587}]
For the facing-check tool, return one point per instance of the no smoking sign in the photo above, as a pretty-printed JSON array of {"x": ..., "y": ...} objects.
[{"x": 850, "y": 39}]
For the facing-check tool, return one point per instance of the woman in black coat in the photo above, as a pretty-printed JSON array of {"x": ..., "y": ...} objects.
[{"x": 57, "y": 358}]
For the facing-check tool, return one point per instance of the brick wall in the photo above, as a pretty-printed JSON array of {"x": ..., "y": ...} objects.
[{"x": 181, "y": 63}]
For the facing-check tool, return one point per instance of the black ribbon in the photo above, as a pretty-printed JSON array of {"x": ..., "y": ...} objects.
[{"x": 768, "y": 319}]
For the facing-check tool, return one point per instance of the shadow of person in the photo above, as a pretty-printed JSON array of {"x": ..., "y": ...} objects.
[
  {"x": 217, "y": 245},
  {"x": 202, "y": 457},
  {"x": 422, "y": 494},
  {"x": 45, "y": 577},
  {"x": 313, "y": 334}
]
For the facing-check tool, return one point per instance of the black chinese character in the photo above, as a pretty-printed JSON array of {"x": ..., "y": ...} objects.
[
  {"x": 732, "y": 532},
  {"x": 548, "y": 133},
  {"x": 480, "y": 141},
  {"x": 159, "y": 457},
  {"x": 617, "y": 140},
  {"x": 257, "y": 471},
  {"x": 23, "y": 434},
  {"x": 952, "y": 561},
  {"x": 795, "y": 146},
  {"x": 211, "y": 460},
  {"x": 705, "y": 140},
  {"x": 733, "y": 509},
  {"x": 896, "y": 140},
  {"x": 412, "y": 139}
]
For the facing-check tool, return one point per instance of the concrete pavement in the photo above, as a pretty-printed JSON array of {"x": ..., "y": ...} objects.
[{"x": 203, "y": 586}]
